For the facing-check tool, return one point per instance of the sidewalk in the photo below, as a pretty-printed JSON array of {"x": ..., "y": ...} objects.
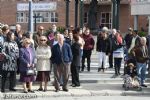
[{"x": 85, "y": 90}]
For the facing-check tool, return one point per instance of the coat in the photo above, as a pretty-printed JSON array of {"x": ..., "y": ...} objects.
[
  {"x": 103, "y": 45},
  {"x": 58, "y": 56},
  {"x": 11, "y": 52},
  {"x": 24, "y": 58},
  {"x": 76, "y": 54},
  {"x": 138, "y": 54},
  {"x": 43, "y": 55},
  {"x": 89, "y": 42}
]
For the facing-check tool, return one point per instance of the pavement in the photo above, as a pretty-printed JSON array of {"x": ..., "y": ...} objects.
[{"x": 92, "y": 84}]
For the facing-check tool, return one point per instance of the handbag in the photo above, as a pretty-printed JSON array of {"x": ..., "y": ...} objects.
[
  {"x": 2, "y": 57},
  {"x": 119, "y": 53},
  {"x": 31, "y": 71}
]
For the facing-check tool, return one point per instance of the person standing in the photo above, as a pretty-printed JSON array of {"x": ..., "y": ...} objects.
[
  {"x": 118, "y": 52},
  {"x": 11, "y": 51},
  {"x": 27, "y": 61},
  {"x": 1, "y": 47},
  {"x": 128, "y": 38},
  {"x": 112, "y": 42},
  {"x": 135, "y": 41},
  {"x": 88, "y": 47},
  {"x": 140, "y": 52},
  {"x": 61, "y": 59},
  {"x": 43, "y": 54},
  {"x": 36, "y": 36},
  {"x": 75, "y": 65},
  {"x": 103, "y": 47},
  {"x": 5, "y": 30},
  {"x": 51, "y": 35},
  {"x": 18, "y": 35}
]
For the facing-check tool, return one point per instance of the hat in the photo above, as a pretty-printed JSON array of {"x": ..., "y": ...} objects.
[
  {"x": 131, "y": 64},
  {"x": 104, "y": 29}
]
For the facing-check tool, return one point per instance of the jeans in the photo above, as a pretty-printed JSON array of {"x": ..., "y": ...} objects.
[{"x": 141, "y": 71}]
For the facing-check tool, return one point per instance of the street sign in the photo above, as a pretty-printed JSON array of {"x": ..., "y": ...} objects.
[
  {"x": 37, "y": 6},
  {"x": 140, "y": 7}
]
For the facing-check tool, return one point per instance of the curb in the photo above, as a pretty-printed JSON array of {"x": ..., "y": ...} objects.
[{"x": 72, "y": 93}]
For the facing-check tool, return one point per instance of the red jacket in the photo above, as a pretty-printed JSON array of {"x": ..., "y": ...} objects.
[{"x": 89, "y": 42}]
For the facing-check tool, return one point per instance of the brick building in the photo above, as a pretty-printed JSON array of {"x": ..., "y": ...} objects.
[{"x": 11, "y": 14}]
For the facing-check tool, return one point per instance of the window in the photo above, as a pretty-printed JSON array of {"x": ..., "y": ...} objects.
[
  {"x": 53, "y": 17},
  {"x": 41, "y": 17},
  {"x": 106, "y": 19},
  {"x": 20, "y": 17},
  {"x": 85, "y": 17}
]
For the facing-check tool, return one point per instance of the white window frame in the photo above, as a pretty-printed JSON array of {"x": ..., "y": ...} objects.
[
  {"x": 21, "y": 17},
  {"x": 55, "y": 16},
  {"x": 45, "y": 15},
  {"x": 106, "y": 23}
]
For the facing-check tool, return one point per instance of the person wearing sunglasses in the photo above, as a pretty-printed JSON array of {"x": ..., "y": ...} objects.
[{"x": 43, "y": 54}]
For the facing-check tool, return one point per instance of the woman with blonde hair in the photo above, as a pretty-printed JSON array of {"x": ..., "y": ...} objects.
[
  {"x": 26, "y": 57},
  {"x": 43, "y": 54}
]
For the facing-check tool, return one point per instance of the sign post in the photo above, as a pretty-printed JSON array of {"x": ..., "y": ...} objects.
[{"x": 30, "y": 19}]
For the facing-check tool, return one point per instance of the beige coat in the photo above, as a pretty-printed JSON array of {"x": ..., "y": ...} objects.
[{"x": 43, "y": 55}]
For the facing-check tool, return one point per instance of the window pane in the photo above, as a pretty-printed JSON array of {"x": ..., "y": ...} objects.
[
  {"x": 106, "y": 19},
  {"x": 103, "y": 15},
  {"x": 103, "y": 20}
]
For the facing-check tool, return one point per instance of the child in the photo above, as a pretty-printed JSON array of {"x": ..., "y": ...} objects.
[{"x": 131, "y": 79}]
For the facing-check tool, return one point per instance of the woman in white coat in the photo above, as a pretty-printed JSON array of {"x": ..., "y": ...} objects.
[{"x": 43, "y": 54}]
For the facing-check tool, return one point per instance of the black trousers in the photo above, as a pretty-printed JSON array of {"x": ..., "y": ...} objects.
[
  {"x": 111, "y": 60},
  {"x": 117, "y": 65},
  {"x": 1, "y": 64},
  {"x": 12, "y": 79},
  {"x": 75, "y": 75},
  {"x": 86, "y": 54}
]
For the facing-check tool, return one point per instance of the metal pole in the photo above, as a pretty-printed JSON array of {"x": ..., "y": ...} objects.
[
  {"x": 118, "y": 13},
  {"x": 67, "y": 13},
  {"x": 35, "y": 22},
  {"x": 81, "y": 13},
  {"x": 114, "y": 14},
  {"x": 30, "y": 19},
  {"x": 135, "y": 22},
  {"x": 76, "y": 14},
  {"x": 149, "y": 25}
]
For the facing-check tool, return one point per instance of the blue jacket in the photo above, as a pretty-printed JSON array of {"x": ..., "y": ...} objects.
[
  {"x": 24, "y": 58},
  {"x": 61, "y": 56}
]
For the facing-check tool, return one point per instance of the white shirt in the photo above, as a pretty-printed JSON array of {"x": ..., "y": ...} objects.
[{"x": 132, "y": 44}]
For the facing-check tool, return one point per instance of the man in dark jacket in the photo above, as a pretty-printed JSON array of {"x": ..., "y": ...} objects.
[
  {"x": 61, "y": 59},
  {"x": 128, "y": 38}
]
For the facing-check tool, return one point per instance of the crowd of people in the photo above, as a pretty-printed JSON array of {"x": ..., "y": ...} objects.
[{"x": 35, "y": 56}]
